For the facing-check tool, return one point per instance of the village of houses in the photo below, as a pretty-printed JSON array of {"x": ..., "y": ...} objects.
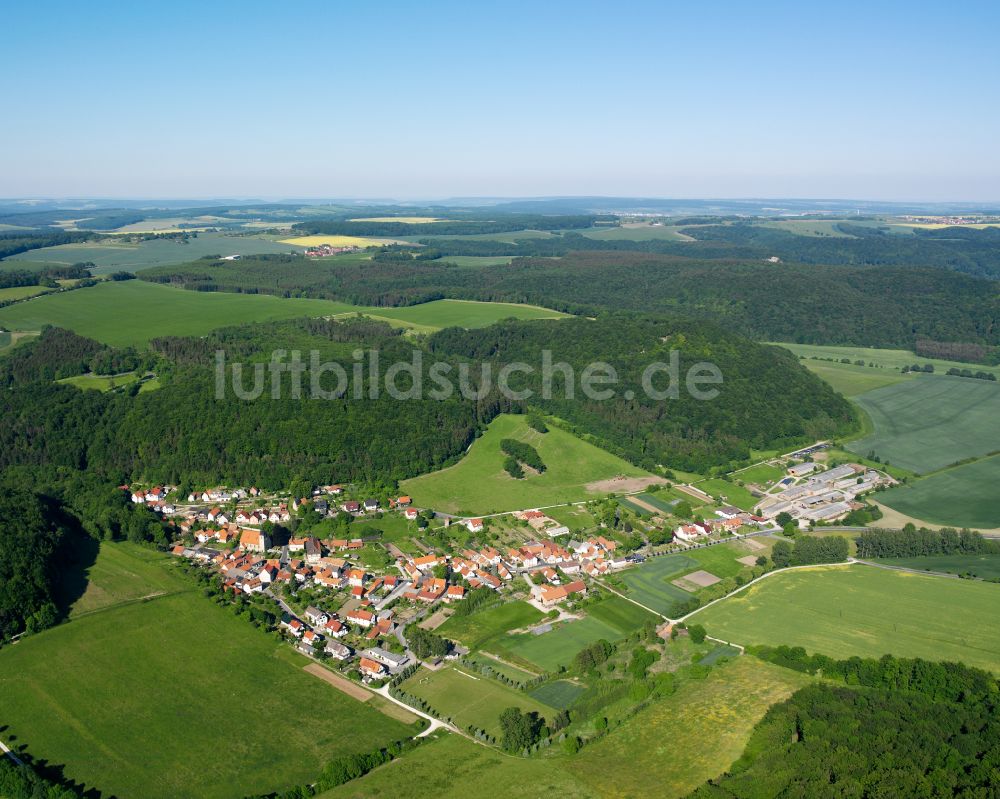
[{"x": 362, "y": 613}]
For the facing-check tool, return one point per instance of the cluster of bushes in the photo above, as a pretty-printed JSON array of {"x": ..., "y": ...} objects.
[
  {"x": 809, "y": 550},
  {"x": 913, "y": 542},
  {"x": 955, "y": 372},
  {"x": 476, "y": 600},
  {"x": 927, "y": 368},
  {"x": 426, "y": 644},
  {"x": 520, "y": 455}
]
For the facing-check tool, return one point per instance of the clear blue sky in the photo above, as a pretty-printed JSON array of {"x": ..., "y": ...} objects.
[{"x": 328, "y": 98}]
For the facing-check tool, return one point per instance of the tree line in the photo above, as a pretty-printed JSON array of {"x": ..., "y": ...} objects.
[{"x": 915, "y": 542}]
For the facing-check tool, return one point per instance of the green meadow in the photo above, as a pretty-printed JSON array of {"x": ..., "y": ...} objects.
[
  {"x": 851, "y": 380},
  {"x": 477, "y": 629},
  {"x": 478, "y": 483},
  {"x": 461, "y": 313},
  {"x": 131, "y": 696},
  {"x": 986, "y": 567},
  {"x": 931, "y": 422},
  {"x": 882, "y": 358},
  {"x": 865, "y": 611},
  {"x": 649, "y": 582}
]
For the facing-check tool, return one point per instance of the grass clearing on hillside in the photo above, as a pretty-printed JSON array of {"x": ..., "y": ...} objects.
[
  {"x": 463, "y": 313},
  {"x": 123, "y": 573},
  {"x": 478, "y": 484},
  {"x": 22, "y": 292},
  {"x": 932, "y": 422},
  {"x": 470, "y": 699},
  {"x": 478, "y": 628},
  {"x": 132, "y": 312},
  {"x": 128, "y": 697},
  {"x": 476, "y": 260},
  {"x": 100, "y": 382},
  {"x": 866, "y": 611},
  {"x": 649, "y": 582},
  {"x": 963, "y": 496},
  {"x": 681, "y": 741}
]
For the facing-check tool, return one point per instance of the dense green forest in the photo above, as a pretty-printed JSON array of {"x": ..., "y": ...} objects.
[
  {"x": 905, "y": 728},
  {"x": 889, "y": 306},
  {"x": 912, "y": 542},
  {"x": 466, "y": 224},
  {"x": 12, "y": 243}
]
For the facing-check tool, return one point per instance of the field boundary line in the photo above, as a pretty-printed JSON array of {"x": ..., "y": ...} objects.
[{"x": 133, "y": 601}]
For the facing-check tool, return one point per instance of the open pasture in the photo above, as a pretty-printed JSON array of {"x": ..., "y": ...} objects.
[
  {"x": 478, "y": 484},
  {"x": 476, "y": 629},
  {"x": 337, "y": 241},
  {"x": 123, "y": 697},
  {"x": 884, "y": 359},
  {"x": 461, "y": 313},
  {"x": 931, "y": 422},
  {"x": 851, "y": 380},
  {"x": 865, "y": 611},
  {"x": 649, "y": 582},
  {"x": 984, "y": 566}
]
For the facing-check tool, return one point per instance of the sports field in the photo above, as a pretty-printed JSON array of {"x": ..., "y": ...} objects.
[
  {"x": 963, "y": 496},
  {"x": 984, "y": 566},
  {"x": 649, "y": 582},
  {"x": 478, "y": 628},
  {"x": 762, "y": 474},
  {"x": 115, "y": 257},
  {"x": 478, "y": 484},
  {"x": 560, "y": 694},
  {"x": 132, "y": 312},
  {"x": 470, "y": 699},
  {"x": 931, "y": 422},
  {"x": 865, "y": 611},
  {"x": 127, "y": 697},
  {"x": 611, "y": 620}
]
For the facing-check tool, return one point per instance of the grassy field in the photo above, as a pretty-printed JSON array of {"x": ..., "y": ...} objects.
[
  {"x": 337, "y": 241},
  {"x": 470, "y": 699},
  {"x": 455, "y": 766},
  {"x": 476, "y": 260},
  {"x": 865, "y": 611},
  {"x": 984, "y": 566},
  {"x": 721, "y": 559},
  {"x": 575, "y": 517},
  {"x": 851, "y": 380},
  {"x": 931, "y": 422},
  {"x": 114, "y": 257},
  {"x": 886, "y": 359},
  {"x": 680, "y": 742},
  {"x": 560, "y": 694},
  {"x": 762, "y": 474},
  {"x": 649, "y": 583},
  {"x": 100, "y": 382},
  {"x": 21, "y": 292},
  {"x": 963, "y": 496},
  {"x": 462, "y": 313},
  {"x": 475, "y": 630},
  {"x": 635, "y": 232},
  {"x": 611, "y": 620},
  {"x": 403, "y": 220},
  {"x": 479, "y": 484},
  {"x": 125, "y": 697},
  {"x": 132, "y": 312},
  {"x": 730, "y": 493},
  {"x": 125, "y": 573}
]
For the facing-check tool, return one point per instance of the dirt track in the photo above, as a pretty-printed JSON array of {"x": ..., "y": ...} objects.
[
  {"x": 340, "y": 683},
  {"x": 624, "y": 484}
]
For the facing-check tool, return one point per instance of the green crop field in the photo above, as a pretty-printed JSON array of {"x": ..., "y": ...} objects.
[
  {"x": 649, "y": 582},
  {"x": 638, "y": 510},
  {"x": 114, "y": 257},
  {"x": 679, "y": 742},
  {"x": 478, "y": 628},
  {"x": 964, "y": 496},
  {"x": 560, "y": 694},
  {"x": 639, "y": 232},
  {"x": 984, "y": 566},
  {"x": 851, "y": 380},
  {"x": 884, "y": 359},
  {"x": 476, "y": 260},
  {"x": 124, "y": 697},
  {"x": 720, "y": 559},
  {"x": 454, "y": 766},
  {"x": 21, "y": 292},
  {"x": 612, "y": 619},
  {"x": 865, "y": 611},
  {"x": 470, "y": 699},
  {"x": 575, "y": 517},
  {"x": 931, "y": 422},
  {"x": 730, "y": 493},
  {"x": 762, "y": 474},
  {"x": 132, "y": 312},
  {"x": 478, "y": 484}
]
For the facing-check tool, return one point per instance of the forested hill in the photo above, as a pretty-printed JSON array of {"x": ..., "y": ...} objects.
[
  {"x": 183, "y": 432},
  {"x": 887, "y": 306},
  {"x": 766, "y": 399}
]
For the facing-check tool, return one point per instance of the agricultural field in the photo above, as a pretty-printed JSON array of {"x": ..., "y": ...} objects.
[
  {"x": 132, "y": 312},
  {"x": 930, "y": 423},
  {"x": 635, "y": 232},
  {"x": 865, "y": 611},
  {"x": 809, "y": 227},
  {"x": 882, "y": 358},
  {"x": 611, "y": 620},
  {"x": 963, "y": 496},
  {"x": 21, "y": 292},
  {"x": 478, "y": 483},
  {"x": 681, "y": 741},
  {"x": 575, "y": 517},
  {"x": 451, "y": 765},
  {"x": 475, "y": 260},
  {"x": 560, "y": 694},
  {"x": 722, "y": 560},
  {"x": 470, "y": 699},
  {"x": 730, "y": 493},
  {"x": 851, "y": 380},
  {"x": 476, "y": 629},
  {"x": 337, "y": 241},
  {"x": 114, "y": 256},
  {"x": 649, "y": 582},
  {"x": 123, "y": 697},
  {"x": 984, "y": 566}
]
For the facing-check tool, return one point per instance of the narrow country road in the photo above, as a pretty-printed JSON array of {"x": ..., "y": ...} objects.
[{"x": 435, "y": 724}]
